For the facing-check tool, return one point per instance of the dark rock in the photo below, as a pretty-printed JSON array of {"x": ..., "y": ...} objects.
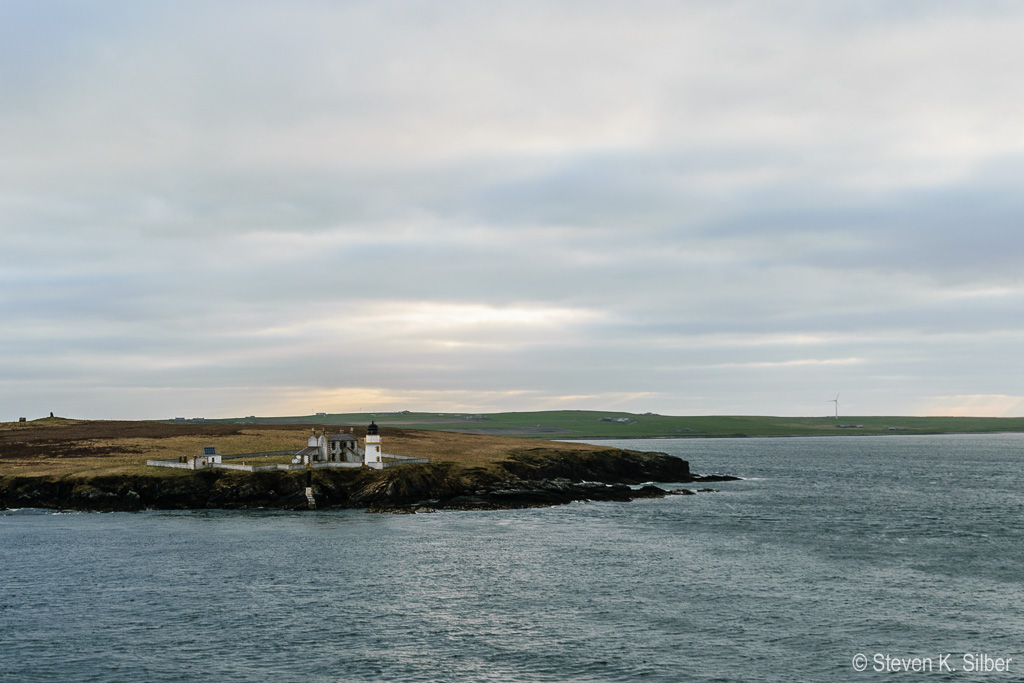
[
  {"x": 530, "y": 477},
  {"x": 608, "y": 466}
]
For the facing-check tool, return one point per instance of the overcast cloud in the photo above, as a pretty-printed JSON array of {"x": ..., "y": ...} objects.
[{"x": 239, "y": 208}]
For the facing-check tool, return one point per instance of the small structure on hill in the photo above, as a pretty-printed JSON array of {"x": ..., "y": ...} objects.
[{"x": 208, "y": 458}]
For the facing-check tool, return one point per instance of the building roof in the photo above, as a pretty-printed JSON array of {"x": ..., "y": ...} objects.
[{"x": 341, "y": 437}]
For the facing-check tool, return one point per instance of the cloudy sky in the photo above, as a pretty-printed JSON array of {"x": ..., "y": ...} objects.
[{"x": 234, "y": 208}]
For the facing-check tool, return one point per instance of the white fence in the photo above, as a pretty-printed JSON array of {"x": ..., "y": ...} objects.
[
  {"x": 169, "y": 463},
  {"x": 236, "y": 456},
  {"x": 397, "y": 460},
  {"x": 240, "y": 468}
]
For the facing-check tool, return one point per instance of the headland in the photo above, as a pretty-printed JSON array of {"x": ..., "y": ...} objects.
[{"x": 101, "y": 465}]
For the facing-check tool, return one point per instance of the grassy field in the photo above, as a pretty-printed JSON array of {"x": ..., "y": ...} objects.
[
  {"x": 56, "y": 447},
  {"x": 59, "y": 447},
  {"x": 583, "y": 424}
]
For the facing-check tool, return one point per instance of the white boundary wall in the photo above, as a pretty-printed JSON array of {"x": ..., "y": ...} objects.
[{"x": 169, "y": 463}]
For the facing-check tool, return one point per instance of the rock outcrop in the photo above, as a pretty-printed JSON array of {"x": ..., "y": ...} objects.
[{"x": 528, "y": 477}]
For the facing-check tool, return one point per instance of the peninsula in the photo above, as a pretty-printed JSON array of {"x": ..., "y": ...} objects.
[{"x": 101, "y": 465}]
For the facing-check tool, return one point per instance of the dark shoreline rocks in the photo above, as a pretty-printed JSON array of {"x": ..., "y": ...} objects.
[
  {"x": 530, "y": 477},
  {"x": 542, "y": 493}
]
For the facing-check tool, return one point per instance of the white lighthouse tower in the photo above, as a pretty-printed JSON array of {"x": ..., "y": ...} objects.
[{"x": 371, "y": 452}]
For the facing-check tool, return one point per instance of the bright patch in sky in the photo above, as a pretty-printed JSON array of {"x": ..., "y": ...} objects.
[{"x": 975, "y": 406}]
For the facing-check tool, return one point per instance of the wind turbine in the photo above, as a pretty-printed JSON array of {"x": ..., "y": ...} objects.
[{"x": 836, "y": 401}]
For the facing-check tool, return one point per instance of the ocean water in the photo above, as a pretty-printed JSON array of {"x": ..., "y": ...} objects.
[{"x": 896, "y": 547}]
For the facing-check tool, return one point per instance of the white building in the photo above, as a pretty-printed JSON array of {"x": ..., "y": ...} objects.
[
  {"x": 208, "y": 458},
  {"x": 341, "y": 448}
]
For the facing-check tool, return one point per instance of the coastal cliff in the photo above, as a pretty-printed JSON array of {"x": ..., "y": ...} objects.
[{"x": 528, "y": 477}]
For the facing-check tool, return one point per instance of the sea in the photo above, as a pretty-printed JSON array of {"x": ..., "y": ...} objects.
[{"x": 833, "y": 559}]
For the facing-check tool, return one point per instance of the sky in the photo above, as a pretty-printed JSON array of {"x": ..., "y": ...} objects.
[{"x": 227, "y": 208}]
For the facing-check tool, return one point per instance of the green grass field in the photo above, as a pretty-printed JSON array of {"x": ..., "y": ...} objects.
[{"x": 586, "y": 424}]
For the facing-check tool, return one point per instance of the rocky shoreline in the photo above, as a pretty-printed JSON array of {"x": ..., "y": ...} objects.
[{"x": 529, "y": 477}]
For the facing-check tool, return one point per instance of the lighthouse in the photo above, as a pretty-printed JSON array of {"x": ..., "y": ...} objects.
[{"x": 371, "y": 452}]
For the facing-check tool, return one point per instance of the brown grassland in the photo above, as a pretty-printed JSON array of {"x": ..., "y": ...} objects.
[{"x": 59, "y": 447}]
